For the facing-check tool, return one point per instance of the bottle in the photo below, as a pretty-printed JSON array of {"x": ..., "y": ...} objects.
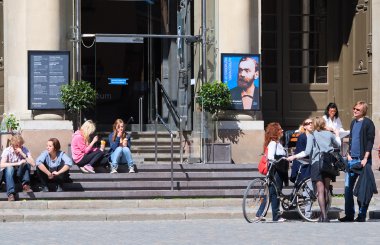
[{"x": 3, "y": 126}]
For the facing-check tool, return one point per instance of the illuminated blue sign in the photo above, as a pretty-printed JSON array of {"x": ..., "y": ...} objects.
[{"x": 118, "y": 81}]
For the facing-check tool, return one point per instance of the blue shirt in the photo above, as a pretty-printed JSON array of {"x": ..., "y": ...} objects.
[
  {"x": 355, "y": 139},
  {"x": 62, "y": 158}
]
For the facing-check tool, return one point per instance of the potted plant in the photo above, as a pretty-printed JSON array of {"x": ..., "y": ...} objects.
[
  {"x": 214, "y": 96},
  {"x": 10, "y": 123},
  {"x": 78, "y": 96}
]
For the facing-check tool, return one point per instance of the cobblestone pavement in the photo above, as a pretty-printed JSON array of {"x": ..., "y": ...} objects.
[{"x": 231, "y": 232}]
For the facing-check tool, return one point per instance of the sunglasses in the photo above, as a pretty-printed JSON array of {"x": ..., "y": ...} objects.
[
  {"x": 307, "y": 123},
  {"x": 355, "y": 109}
]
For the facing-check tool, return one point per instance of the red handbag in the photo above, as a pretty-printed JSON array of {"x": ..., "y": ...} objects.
[{"x": 263, "y": 164}]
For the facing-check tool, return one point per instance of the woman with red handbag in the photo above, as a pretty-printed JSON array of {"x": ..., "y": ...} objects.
[{"x": 273, "y": 134}]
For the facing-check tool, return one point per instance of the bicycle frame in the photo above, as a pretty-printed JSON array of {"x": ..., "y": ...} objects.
[{"x": 269, "y": 179}]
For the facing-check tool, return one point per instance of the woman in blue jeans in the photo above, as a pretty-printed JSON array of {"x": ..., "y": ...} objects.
[
  {"x": 273, "y": 134},
  {"x": 119, "y": 147}
]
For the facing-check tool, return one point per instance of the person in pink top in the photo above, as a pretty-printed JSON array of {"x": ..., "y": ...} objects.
[{"x": 83, "y": 152}]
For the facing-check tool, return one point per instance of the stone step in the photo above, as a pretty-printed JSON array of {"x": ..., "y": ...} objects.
[
  {"x": 126, "y": 194},
  {"x": 155, "y": 176},
  {"x": 151, "y": 149},
  {"x": 155, "y": 185},
  {"x": 152, "y": 141},
  {"x": 148, "y": 203},
  {"x": 138, "y": 210}
]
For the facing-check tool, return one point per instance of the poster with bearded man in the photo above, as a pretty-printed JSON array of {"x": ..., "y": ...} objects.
[{"x": 241, "y": 73}]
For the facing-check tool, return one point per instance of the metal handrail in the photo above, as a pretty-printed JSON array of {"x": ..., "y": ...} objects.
[
  {"x": 173, "y": 112},
  {"x": 172, "y": 109},
  {"x": 171, "y": 148}
]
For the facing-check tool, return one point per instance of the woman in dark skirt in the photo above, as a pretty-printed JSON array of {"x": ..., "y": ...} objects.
[{"x": 321, "y": 140}]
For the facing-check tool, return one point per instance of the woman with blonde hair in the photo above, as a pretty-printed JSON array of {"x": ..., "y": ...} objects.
[
  {"x": 321, "y": 140},
  {"x": 119, "y": 147},
  {"x": 84, "y": 154},
  {"x": 305, "y": 128}
]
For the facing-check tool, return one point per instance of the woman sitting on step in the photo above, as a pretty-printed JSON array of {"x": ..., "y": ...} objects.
[
  {"x": 53, "y": 165},
  {"x": 119, "y": 147},
  {"x": 84, "y": 154}
]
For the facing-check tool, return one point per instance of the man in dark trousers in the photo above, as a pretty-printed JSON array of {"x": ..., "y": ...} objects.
[{"x": 362, "y": 136}]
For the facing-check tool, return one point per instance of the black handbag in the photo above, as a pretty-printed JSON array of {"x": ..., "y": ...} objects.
[
  {"x": 283, "y": 165},
  {"x": 326, "y": 162}
]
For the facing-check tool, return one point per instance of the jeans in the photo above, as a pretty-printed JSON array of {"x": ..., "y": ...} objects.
[
  {"x": 350, "y": 180},
  {"x": 22, "y": 172},
  {"x": 274, "y": 199},
  {"x": 121, "y": 155},
  {"x": 308, "y": 205}
]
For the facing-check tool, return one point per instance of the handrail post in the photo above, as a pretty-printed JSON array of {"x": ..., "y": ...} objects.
[
  {"x": 155, "y": 121},
  {"x": 171, "y": 168},
  {"x": 180, "y": 140},
  {"x": 140, "y": 113}
]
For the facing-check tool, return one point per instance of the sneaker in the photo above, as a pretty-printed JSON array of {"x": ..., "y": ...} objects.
[
  {"x": 11, "y": 197},
  {"x": 59, "y": 188},
  {"x": 131, "y": 169},
  {"x": 346, "y": 219},
  {"x": 89, "y": 168},
  {"x": 280, "y": 220},
  {"x": 113, "y": 171},
  {"x": 26, "y": 188},
  {"x": 258, "y": 219},
  {"x": 45, "y": 189},
  {"x": 83, "y": 170}
]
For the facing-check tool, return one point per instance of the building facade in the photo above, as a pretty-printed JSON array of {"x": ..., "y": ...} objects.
[{"x": 312, "y": 52}]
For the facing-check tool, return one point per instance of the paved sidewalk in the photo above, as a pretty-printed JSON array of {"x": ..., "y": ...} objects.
[
  {"x": 189, "y": 232},
  {"x": 140, "y": 210}
]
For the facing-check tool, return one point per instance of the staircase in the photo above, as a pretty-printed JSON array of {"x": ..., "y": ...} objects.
[
  {"x": 143, "y": 146},
  {"x": 154, "y": 181}
]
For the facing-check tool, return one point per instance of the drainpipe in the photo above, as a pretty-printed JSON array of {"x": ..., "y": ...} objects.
[
  {"x": 204, "y": 71},
  {"x": 77, "y": 42}
]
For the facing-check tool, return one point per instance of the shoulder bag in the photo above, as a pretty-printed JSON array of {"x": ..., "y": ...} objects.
[
  {"x": 326, "y": 162},
  {"x": 263, "y": 164},
  {"x": 283, "y": 165}
]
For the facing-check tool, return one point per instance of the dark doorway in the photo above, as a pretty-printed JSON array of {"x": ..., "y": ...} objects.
[{"x": 135, "y": 60}]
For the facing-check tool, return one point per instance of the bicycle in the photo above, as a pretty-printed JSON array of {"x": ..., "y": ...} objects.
[{"x": 301, "y": 197}]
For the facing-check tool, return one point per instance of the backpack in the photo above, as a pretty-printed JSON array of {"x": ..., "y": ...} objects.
[{"x": 263, "y": 164}]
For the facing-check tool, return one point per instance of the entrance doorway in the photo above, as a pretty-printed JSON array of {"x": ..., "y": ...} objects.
[{"x": 121, "y": 70}]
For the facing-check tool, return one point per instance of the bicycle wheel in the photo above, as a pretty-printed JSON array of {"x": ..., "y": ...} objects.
[
  {"x": 307, "y": 203},
  {"x": 256, "y": 200}
]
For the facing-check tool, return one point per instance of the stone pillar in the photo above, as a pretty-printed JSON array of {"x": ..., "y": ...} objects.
[
  {"x": 30, "y": 25},
  {"x": 33, "y": 25},
  {"x": 238, "y": 31},
  {"x": 376, "y": 76}
]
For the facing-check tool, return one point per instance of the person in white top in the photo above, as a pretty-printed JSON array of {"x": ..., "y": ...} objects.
[
  {"x": 331, "y": 117},
  {"x": 273, "y": 134}
]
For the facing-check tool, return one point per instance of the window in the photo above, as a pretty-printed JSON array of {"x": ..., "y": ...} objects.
[{"x": 307, "y": 41}]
